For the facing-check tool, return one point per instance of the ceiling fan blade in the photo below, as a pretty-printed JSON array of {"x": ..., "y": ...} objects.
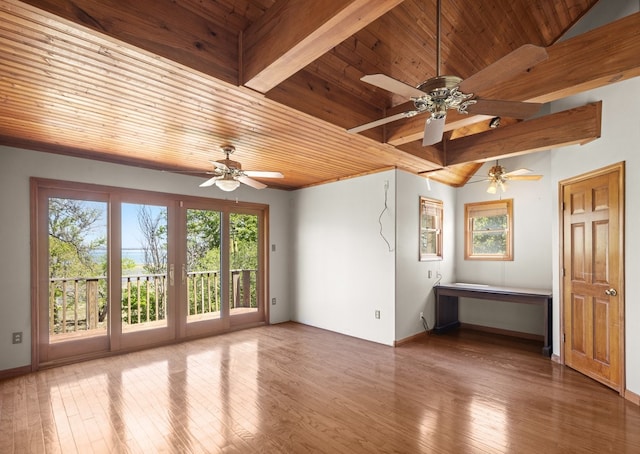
[
  {"x": 523, "y": 177},
  {"x": 433, "y": 130},
  {"x": 262, "y": 174},
  {"x": 512, "y": 64},
  {"x": 497, "y": 108},
  {"x": 392, "y": 85},
  {"x": 219, "y": 165},
  {"x": 484, "y": 180},
  {"x": 517, "y": 172},
  {"x": 210, "y": 182},
  {"x": 382, "y": 121},
  {"x": 250, "y": 182}
]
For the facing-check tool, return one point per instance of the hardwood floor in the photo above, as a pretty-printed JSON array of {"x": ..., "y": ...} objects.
[{"x": 291, "y": 388}]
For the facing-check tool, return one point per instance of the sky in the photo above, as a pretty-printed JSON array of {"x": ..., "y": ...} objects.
[{"x": 131, "y": 234}]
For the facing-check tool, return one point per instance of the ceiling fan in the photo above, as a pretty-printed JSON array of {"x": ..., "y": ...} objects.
[
  {"x": 228, "y": 174},
  {"x": 498, "y": 177},
  {"x": 440, "y": 93}
]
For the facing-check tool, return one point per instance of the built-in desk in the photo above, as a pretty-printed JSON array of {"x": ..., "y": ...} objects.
[{"x": 447, "y": 304}]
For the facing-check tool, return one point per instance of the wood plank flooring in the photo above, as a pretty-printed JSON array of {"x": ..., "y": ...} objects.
[{"x": 291, "y": 388}]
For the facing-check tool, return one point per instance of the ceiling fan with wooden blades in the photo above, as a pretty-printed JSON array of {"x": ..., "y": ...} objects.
[
  {"x": 498, "y": 177},
  {"x": 441, "y": 93},
  {"x": 228, "y": 174}
]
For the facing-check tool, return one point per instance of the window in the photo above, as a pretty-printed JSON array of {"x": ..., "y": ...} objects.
[
  {"x": 430, "y": 229},
  {"x": 489, "y": 230}
]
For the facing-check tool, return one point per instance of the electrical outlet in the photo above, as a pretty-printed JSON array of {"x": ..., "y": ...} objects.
[
  {"x": 16, "y": 338},
  {"x": 421, "y": 315},
  {"x": 429, "y": 274},
  {"x": 377, "y": 313},
  {"x": 273, "y": 301}
]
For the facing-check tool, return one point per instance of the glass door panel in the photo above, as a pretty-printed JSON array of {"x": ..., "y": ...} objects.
[
  {"x": 202, "y": 278},
  {"x": 243, "y": 263},
  {"x": 77, "y": 268},
  {"x": 144, "y": 294}
]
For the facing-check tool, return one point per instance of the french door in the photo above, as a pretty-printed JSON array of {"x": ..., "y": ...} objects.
[{"x": 118, "y": 269}]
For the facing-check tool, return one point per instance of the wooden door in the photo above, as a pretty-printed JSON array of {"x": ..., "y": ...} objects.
[{"x": 593, "y": 313}]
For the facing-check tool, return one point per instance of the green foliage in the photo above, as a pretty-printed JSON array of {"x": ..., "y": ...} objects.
[
  {"x": 72, "y": 238},
  {"x": 203, "y": 240},
  {"x": 244, "y": 241},
  {"x": 489, "y": 235},
  {"x": 148, "y": 298}
]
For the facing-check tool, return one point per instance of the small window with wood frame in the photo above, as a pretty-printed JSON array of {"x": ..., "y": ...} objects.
[
  {"x": 489, "y": 230},
  {"x": 430, "y": 229}
]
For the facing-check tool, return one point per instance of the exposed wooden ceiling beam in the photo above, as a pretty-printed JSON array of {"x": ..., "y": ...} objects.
[
  {"x": 292, "y": 34},
  {"x": 602, "y": 56},
  {"x": 574, "y": 126},
  {"x": 433, "y": 155}
]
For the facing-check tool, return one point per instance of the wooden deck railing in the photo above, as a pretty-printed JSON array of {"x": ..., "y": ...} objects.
[
  {"x": 80, "y": 303},
  {"x": 76, "y": 304}
]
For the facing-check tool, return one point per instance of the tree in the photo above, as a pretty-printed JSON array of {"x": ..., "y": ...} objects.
[
  {"x": 72, "y": 238},
  {"x": 203, "y": 240},
  {"x": 489, "y": 235},
  {"x": 244, "y": 241},
  {"x": 154, "y": 241}
]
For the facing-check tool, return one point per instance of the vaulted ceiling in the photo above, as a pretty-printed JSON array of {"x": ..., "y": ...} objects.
[{"x": 163, "y": 84}]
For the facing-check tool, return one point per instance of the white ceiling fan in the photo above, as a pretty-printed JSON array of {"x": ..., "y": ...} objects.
[
  {"x": 228, "y": 174},
  {"x": 438, "y": 94}
]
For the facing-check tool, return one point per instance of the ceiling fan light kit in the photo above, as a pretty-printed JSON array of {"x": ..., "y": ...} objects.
[
  {"x": 441, "y": 94},
  {"x": 228, "y": 174},
  {"x": 227, "y": 183}
]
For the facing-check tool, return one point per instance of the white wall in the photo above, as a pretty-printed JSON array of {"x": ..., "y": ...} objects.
[
  {"x": 17, "y": 165},
  {"x": 532, "y": 262},
  {"x": 414, "y": 288},
  {"x": 620, "y": 141},
  {"x": 343, "y": 269}
]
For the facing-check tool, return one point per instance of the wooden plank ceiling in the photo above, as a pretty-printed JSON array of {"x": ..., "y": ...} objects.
[{"x": 163, "y": 84}]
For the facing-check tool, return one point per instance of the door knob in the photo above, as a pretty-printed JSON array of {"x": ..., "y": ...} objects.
[{"x": 611, "y": 292}]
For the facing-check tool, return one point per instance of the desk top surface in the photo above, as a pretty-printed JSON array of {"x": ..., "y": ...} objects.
[{"x": 482, "y": 288}]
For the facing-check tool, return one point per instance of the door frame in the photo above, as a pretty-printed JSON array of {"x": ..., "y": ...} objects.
[{"x": 562, "y": 184}]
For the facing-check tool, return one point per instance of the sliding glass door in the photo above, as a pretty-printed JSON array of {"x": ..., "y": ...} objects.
[
  {"x": 144, "y": 251},
  {"x": 202, "y": 279},
  {"x": 74, "y": 282},
  {"x": 121, "y": 269}
]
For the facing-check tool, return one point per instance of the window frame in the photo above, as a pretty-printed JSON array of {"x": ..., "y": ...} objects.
[
  {"x": 437, "y": 205},
  {"x": 475, "y": 207}
]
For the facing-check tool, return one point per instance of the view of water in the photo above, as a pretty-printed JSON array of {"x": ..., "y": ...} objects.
[{"x": 137, "y": 255}]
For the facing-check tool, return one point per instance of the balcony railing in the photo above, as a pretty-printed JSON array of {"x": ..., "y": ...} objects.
[{"x": 79, "y": 304}]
